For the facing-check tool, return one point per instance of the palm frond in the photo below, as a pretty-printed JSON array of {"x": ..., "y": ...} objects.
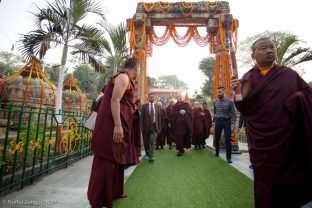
[
  {"x": 118, "y": 38},
  {"x": 284, "y": 46},
  {"x": 96, "y": 8},
  {"x": 37, "y": 42},
  {"x": 80, "y": 8},
  {"x": 88, "y": 31},
  {"x": 59, "y": 7},
  {"x": 289, "y": 60},
  {"x": 307, "y": 57}
]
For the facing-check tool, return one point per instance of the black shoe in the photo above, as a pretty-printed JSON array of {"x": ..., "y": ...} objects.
[
  {"x": 229, "y": 161},
  {"x": 151, "y": 159}
]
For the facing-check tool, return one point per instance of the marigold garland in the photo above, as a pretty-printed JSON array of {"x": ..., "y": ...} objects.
[
  {"x": 168, "y": 7},
  {"x": 72, "y": 83},
  {"x": 187, "y": 5},
  {"x": 221, "y": 32},
  {"x": 190, "y": 7},
  {"x": 208, "y": 4},
  {"x": 34, "y": 66},
  {"x": 222, "y": 73},
  {"x": 151, "y": 6}
]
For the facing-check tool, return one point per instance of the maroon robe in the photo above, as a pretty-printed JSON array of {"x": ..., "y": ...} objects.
[
  {"x": 107, "y": 174},
  {"x": 182, "y": 125},
  {"x": 169, "y": 132},
  {"x": 161, "y": 135},
  {"x": 198, "y": 127},
  {"x": 137, "y": 128},
  {"x": 208, "y": 123},
  {"x": 278, "y": 149}
]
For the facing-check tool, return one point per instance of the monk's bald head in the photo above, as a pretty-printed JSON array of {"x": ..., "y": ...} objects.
[{"x": 264, "y": 52}]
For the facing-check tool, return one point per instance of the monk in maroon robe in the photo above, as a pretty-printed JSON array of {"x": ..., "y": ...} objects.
[
  {"x": 277, "y": 107},
  {"x": 137, "y": 127},
  {"x": 181, "y": 120},
  {"x": 207, "y": 123},
  {"x": 161, "y": 135},
  {"x": 169, "y": 131},
  {"x": 112, "y": 142},
  {"x": 198, "y": 126}
]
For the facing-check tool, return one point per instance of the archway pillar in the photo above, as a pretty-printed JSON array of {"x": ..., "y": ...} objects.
[{"x": 138, "y": 39}]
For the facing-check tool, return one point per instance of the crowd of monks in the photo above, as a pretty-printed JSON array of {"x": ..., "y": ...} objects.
[{"x": 182, "y": 125}]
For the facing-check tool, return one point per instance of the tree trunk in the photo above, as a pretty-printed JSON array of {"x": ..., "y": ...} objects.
[
  {"x": 115, "y": 70},
  {"x": 59, "y": 94}
]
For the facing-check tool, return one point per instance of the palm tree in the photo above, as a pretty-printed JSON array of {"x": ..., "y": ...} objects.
[
  {"x": 117, "y": 50},
  {"x": 290, "y": 54},
  {"x": 114, "y": 49},
  {"x": 60, "y": 24},
  {"x": 289, "y": 50}
]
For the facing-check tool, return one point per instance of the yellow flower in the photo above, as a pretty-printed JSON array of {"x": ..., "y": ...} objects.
[
  {"x": 37, "y": 145},
  {"x": 49, "y": 141},
  {"x": 16, "y": 147},
  {"x": 34, "y": 145}
]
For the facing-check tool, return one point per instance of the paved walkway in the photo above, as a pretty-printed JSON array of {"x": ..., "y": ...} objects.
[{"x": 67, "y": 188}]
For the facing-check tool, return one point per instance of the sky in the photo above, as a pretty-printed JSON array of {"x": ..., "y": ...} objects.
[{"x": 255, "y": 16}]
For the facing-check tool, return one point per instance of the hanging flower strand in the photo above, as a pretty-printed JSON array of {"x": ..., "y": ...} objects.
[{"x": 148, "y": 7}]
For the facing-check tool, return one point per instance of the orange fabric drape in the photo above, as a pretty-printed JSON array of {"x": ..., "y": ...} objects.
[
  {"x": 72, "y": 83},
  {"x": 36, "y": 68}
]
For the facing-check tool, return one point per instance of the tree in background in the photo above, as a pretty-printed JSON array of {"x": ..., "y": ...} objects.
[
  {"x": 60, "y": 25},
  {"x": 170, "y": 82},
  {"x": 151, "y": 82},
  {"x": 52, "y": 72},
  {"x": 116, "y": 50},
  {"x": 113, "y": 50},
  {"x": 85, "y": 77},
  {"x": 10, "y": 63},
  {"x": 291, "y": 51},
  {"x": 206, "y": 65}
]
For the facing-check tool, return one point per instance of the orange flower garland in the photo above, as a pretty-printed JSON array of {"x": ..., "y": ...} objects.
[
  {"x": 165, "y": 6},
  {"x": 189, "y": 6},
  {"x": 222, "y": 45},
  {"x": 34, "y": 66},
  {"x": 208, "y": 4},
  {"x": 150, "y": 5},
  {"x": 72, "y": 83}
]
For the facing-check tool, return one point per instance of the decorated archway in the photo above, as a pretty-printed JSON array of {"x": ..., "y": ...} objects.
[{"x": 221, "y": 36}]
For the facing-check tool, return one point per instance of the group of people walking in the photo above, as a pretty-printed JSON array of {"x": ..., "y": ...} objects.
[
  {"x": 276, "y": 105},
  {"x": 179, "y": 123}
]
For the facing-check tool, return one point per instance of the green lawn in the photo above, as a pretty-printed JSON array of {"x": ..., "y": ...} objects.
[{"x": 198, "y": 179}]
